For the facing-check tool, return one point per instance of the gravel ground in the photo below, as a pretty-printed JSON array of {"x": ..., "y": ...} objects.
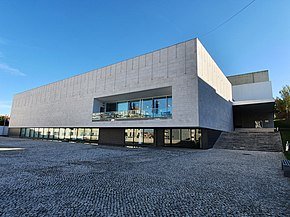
[{"x": 68, "y": 179}]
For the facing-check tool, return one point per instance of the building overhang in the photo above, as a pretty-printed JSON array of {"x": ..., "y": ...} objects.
[
  {"x": 255, "y": 106},
  {"x": 253, "y": 102}
]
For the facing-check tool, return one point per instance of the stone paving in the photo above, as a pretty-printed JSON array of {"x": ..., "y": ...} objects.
[{"x": 68, "y": 179}]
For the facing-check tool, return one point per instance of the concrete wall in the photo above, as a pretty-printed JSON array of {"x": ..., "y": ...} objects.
[
  {"x": 214, "y": 93},
  {"x": 69, "y": 102},
  {"x": 210, "y": 73},
  {"x": 14, "y": 132},
  {"x": 214, "y": 111},
  {"x": 253, "y": 91},
  {"x": 112, "y": 136},
  {"x": 248, "y": 78},
  {"x": 209, "y": 137}
]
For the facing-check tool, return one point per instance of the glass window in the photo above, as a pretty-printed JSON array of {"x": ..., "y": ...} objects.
[
  {"x": 22, "y": 133},
  {"x": 27, "y": 132},
  {"x": 73, "y": 134},
  {"x": 122, "y": 106},
  {"x": 135, "y": 105},
  {"x": 147, "y": 108},
  {"x": 167, "y": 136},
  {"x": 87, "y": 135},
  {"x": 31, "y": 132},
  {"x": 186, "y": 135},
  {"x": 50, "y": 133},
  {"x": 80, "y": 134},
  {"x": 148, "y": 136},
  {"x": 67, "y": 133},
  {"x": 129, "y": 135},
  {"x": 45, "y": 133},
  {"x": 198, "y": 137},
  {"x": 138, "y": 136},
  {"x": 61, "y": 133},
  {"x": 95, "y": 134},
  {"x": 111, "y": 107},
  {"x": 40, "y": 132},
  {"x": 160, "y": 107},
  {"x": 169, "y": 104},
  {"x": 36, "y": 133},
  {"x": 175, "y": 136},
  {"x": 55, "y": 133}
]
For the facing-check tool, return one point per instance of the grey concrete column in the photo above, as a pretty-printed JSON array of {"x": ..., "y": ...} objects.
[
  {"x": 209, "y": 137},
  {"x": 112, "y": 136},
  {"x": 14, "y": 132},
  {"x": 159, "y": 137}
]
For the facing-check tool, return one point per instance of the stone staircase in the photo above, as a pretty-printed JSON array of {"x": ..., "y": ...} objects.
[{"x": 251, "y": 141}]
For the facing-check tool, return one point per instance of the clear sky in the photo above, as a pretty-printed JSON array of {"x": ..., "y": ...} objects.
[{"x": 42, "y": 41}]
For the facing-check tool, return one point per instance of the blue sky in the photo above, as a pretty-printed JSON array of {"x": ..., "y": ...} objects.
[{"x": 42, "y": 41}]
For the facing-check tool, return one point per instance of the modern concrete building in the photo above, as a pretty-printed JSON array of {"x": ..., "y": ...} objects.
[{"x": 172, "y": 96}]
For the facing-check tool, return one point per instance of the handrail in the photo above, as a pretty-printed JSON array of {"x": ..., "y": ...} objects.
[{"x": 131, "y": 114}]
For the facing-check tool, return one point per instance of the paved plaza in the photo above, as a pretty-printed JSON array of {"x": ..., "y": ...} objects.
[{"x": 46, "y": 178}]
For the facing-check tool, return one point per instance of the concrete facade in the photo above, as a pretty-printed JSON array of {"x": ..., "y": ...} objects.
[
  {"x": 69, "y": 102},
  {"x": 253, "y": 102},
  {"x": 202, "y": 97}
]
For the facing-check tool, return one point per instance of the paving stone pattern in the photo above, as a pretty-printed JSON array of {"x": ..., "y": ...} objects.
[{"x": 69, "y": 179}]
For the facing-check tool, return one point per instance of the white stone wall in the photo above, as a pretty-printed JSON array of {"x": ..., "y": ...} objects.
[
  {"x": 253, "y": 91},
  {"x": 69, "y": 102},
  {"x": 209, "y": 71}
]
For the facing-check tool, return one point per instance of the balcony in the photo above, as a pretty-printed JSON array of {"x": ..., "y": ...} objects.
[{"x": 131, "y": 115}]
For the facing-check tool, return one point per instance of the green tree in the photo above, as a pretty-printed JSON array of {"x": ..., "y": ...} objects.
[{"x": 282, "y": 103}]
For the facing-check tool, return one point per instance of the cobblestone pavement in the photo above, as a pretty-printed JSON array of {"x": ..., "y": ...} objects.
[{"x": 68, "y": 179}]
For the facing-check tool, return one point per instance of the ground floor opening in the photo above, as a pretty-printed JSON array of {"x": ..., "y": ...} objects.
[{"x": 154, "y": 137}]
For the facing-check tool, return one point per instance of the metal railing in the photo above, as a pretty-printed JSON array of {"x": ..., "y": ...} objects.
[{"x": 131, "y": 115}]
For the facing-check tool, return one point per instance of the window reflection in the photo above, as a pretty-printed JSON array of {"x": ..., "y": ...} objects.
[
  {"x": 95, "y": 134},
  {"x": 73, "y": 134},
  {"x": 45, "y": 133},
  {"x": 50, "y": 133},
  {"x": 35, "y": 133},
  {"x": 61, "y": 133},
  {"x": 67, "y": 133},
  {"x": 149, "y": 136},
  {"x": 56, "y": 133},
  {"x": 80, "y": 133},
  {"x": 156, "y": 107},
  {"x": 87, "y": 134},
  {"x": 22, "y": 132}
]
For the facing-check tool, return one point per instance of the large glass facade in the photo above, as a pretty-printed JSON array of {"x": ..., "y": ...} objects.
[
  {"x": 139, "y": 136},
  {"x": 182, "y": 137},
  {"x": 154, "y": 107},
  {"x": 172, "y": 137},
  {"x": 87, "y": 134}
]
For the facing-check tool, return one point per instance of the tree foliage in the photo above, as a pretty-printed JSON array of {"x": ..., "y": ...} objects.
[
  {"x": 282, "y": 103},
  {"x": 4, "y": 120}
]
